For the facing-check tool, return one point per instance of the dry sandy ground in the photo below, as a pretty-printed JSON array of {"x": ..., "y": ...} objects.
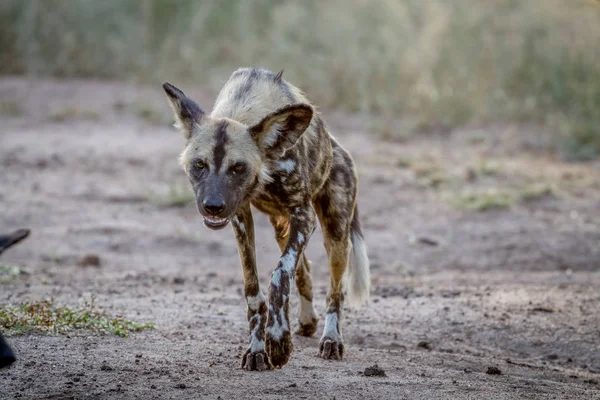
[{"x": 86, "y": 166}]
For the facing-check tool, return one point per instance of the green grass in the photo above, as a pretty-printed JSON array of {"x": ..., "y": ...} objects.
[
  {"x": 487, "y": 168},
  {"x": 73, "y": 113},
  {"x": 441, "y": 63},
  {"x": 502, "y": 198},
  {"x": 10, "y": 109},
  {"x": 536, "y": 191},
  {"x": 144, "y": 111},
  {"x": 430, "y": 174},
  {"x": 179, "y": 195},
  {"x": 46, "y": 317},
  {"x": 151, "y": 115},
  {"x": 403, "y": 162},
  {"x": 9, "y": 273},
  {"x": 484, "y": 200}
]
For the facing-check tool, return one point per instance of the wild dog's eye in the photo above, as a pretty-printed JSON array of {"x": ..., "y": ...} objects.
[
  {"x": 237, "y": 168},
  {"x": 200, "y": 164}
]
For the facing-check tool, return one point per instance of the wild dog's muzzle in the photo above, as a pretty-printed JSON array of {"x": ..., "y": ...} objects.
[
  {"x": 210, "y": 209},
  {"x": 215, "y": 223}
]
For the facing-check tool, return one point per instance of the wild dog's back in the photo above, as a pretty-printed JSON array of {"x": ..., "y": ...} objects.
[{"x": 252, "y": 93}]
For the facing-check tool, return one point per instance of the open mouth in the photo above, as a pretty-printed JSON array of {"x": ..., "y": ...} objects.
[{"x": 215, "y": 222}]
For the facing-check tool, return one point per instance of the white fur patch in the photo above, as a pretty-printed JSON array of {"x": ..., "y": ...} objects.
[
  {"x": 286, "y": 165},
  {"x": 357, "y": 278},
  {"x": 264, "y": 175},
  {"x": 276, "y": 278},
  {"x": 256, "y": 343},
  {"x": 331, "y": 330},
  {"x": 183, "y": 156},
  {"x": 277, "y": 331},
  {"x": 288, "y": 261},
  {"x": 300, "y": 238},
  {"x": 271, "y": 137},
  {"x": 240, "y": 225},
  {"x": 284, "y": 322},
  {"x": 254, "y": 302},
  {"x": 307, "y": 311}
]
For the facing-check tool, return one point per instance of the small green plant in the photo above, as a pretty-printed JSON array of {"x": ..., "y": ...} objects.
[
  {"x": 400, "y": 268},
  {"x": 46, "y": 317},
  {"x": 536, "y": 191},
  {"x": 429, "y": 174},
  {"x": 150, "y": 115},
  {"x": 488, "y": 168},
  {"x": 485, "y": 201},
  {"x": 403, "y": 162},
  {"x": 8, "y": 273},
  {"x": 10, "y": 108}
]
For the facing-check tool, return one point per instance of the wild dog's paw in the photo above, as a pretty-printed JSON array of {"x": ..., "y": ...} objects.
[
  {"x": 256, "y": 361},
  {"x": 330, "y": 349},
  {"x": 279, "y": 347},
  {"x": 307, "y": 328}
]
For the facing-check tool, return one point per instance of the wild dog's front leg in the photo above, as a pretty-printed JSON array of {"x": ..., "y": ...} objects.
[
  {"x": 255, "y": 357},
  {"x": 307, "y": 317},
  {"x": 279, "y": 339}
]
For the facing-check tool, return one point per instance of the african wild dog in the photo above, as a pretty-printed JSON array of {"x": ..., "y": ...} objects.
[{"x": 265, "y": 145}]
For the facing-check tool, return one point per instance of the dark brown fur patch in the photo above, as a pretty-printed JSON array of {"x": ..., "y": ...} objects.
[
  {"x": 293, "y": 127},
  {"x": 189, "y": 111},
  {"x": 244, "y": 89},
  {"x": 221, "y": 140},
  {"x": 332, "y": 219},
  {"x": 355, "y": 225},
  {"x": 278, "y": 77},
  {"x": 334, "y": 303}
]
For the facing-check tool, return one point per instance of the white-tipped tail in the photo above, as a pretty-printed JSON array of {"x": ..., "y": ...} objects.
[{"x": 358, "y": 277}]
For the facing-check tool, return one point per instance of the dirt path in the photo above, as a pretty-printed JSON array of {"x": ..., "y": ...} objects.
[{"x": 89, "y": 166}]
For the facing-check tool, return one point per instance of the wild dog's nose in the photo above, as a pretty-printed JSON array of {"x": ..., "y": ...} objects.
[{"x": 213, "y": 206}]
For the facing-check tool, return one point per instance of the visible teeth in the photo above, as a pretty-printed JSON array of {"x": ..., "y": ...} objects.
[{"x": 215, "y": 220}]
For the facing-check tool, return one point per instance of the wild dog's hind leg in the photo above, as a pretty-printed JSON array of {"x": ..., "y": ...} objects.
[
  {"x": 255, "y": 357},
  {"x": 307, "y": 316},
  {"x": 335, "y": 208},
  {"x": 331, "y": 345}
]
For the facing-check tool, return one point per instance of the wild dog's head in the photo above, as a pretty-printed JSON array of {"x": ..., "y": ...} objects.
[{"x": 226, "y": 160}]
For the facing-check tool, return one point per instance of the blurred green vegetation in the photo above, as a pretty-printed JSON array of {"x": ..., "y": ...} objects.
[
  {"x": 47, "y": 317},
  {"x": 444, "y": 63}
]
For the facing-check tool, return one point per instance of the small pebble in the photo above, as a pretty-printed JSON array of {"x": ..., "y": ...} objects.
[
  {"x": 89, "y": 260},
  {"x": 493, "y": 371},
  {"x": 374, "y": 371}
]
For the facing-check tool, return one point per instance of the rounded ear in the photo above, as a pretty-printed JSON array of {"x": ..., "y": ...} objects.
[
  {"x": 280, "y": 130},
  {"x": 185, "y": 110}
]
